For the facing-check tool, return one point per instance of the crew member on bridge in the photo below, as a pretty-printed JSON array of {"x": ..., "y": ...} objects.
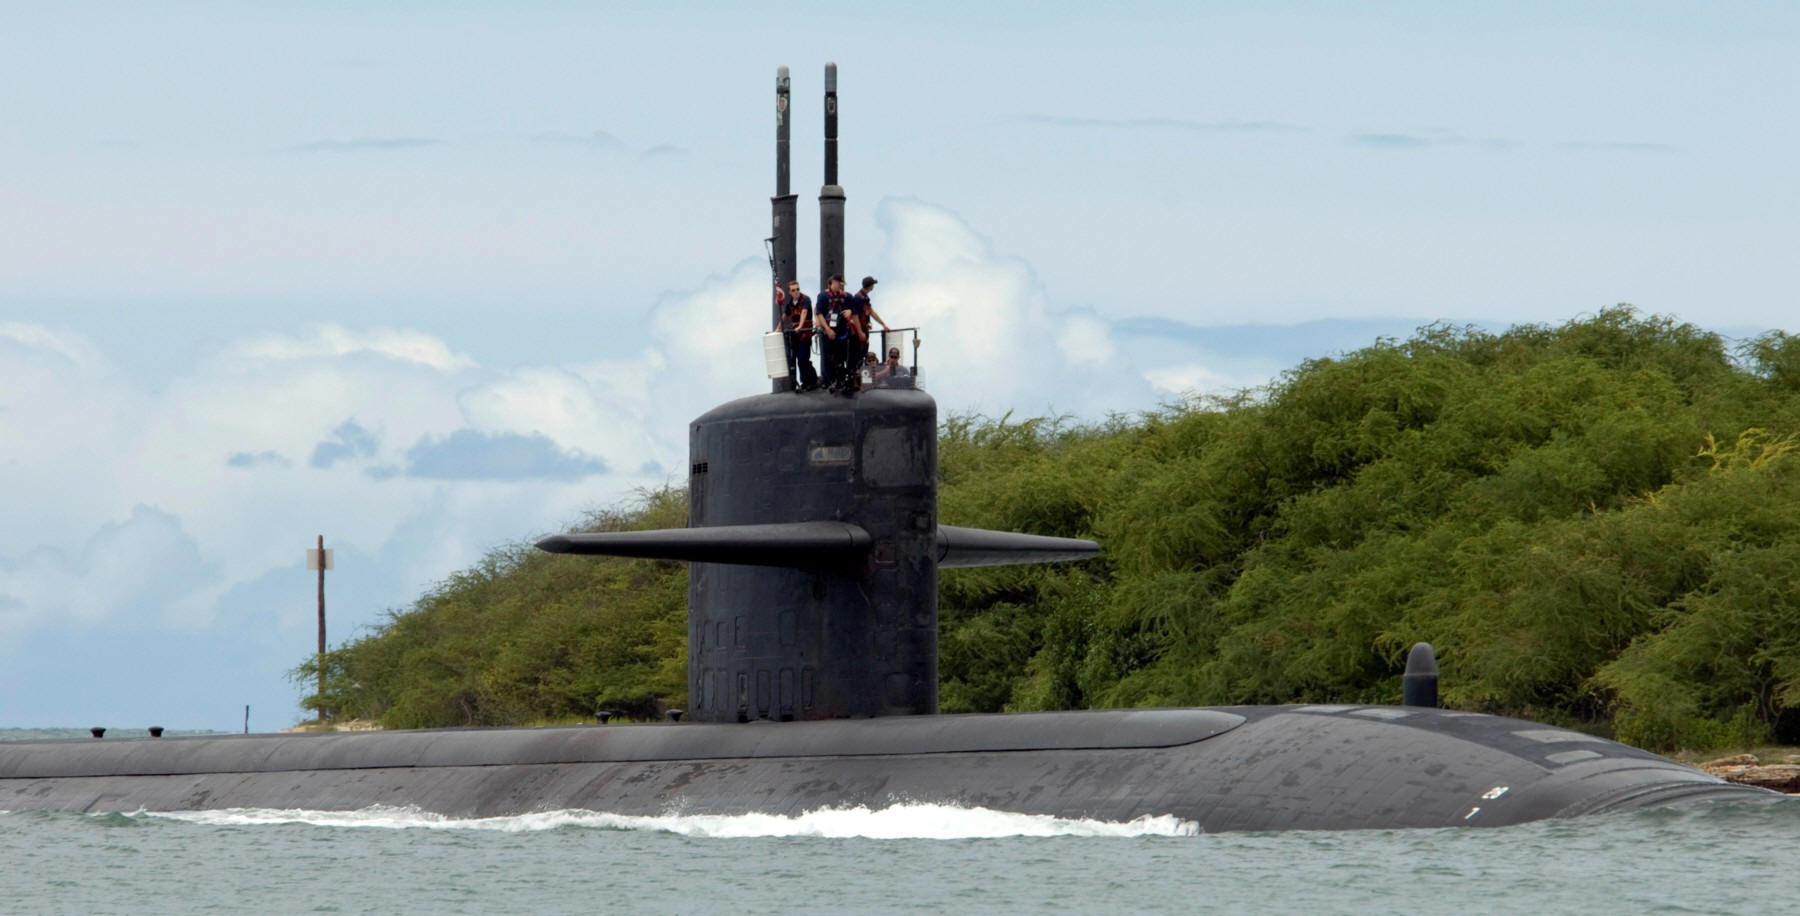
[
  {"x": 797, "y": 334},
  {"x": 892, "y": 369},
  {"x": 831, "y": 318},
  {"x": 864, "y": 309}
]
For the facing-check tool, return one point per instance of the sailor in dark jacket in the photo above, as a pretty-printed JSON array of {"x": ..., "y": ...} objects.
[
  {"x": 797, "y": 333},
  {"x": 864, "y": 311},
  {"x": 831, "y": 320}
]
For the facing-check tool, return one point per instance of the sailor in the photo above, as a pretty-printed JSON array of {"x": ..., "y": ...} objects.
[
  {"x": 864, "y": 309},
  {"x": 797, "y": 334},
  {"x": 892, "y": 368},
  {"x": 831, "y": 312}
]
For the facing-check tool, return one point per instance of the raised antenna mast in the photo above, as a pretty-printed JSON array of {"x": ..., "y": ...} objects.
[{"x": 831, "y": 196}]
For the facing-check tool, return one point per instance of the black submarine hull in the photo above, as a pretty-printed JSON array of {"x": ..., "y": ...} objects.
[{"x": 1222, "y": 769}]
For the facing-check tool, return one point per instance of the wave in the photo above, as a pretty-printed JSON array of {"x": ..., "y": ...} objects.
[{"x": 903, "y": 821}]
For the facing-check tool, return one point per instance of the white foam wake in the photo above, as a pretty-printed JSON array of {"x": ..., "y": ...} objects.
[{"x": 907, "y": 821}]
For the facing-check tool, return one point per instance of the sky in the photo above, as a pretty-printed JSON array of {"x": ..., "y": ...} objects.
[{"x": 433, "y": 278}]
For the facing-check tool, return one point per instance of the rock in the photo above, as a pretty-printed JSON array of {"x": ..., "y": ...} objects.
[
  {"x": 336, "y": 725},
  {"x": 1735, "y": 760},
  {"x": 1747, "y": 770},
  {"x": 1782, "y": 777}
]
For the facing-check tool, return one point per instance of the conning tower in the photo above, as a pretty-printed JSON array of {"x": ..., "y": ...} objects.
[
  {"x": 844, "y": 621},
  {"x": 813, "y": 535}
]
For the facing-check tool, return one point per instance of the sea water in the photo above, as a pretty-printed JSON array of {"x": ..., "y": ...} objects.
[{"x": 1715, "y": 858}]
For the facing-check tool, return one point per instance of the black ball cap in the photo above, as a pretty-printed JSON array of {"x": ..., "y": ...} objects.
[{"x": 868, "y": 282}]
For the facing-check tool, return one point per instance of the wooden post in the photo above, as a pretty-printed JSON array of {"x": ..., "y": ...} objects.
[
  {"x": 320, "y": 559},
  {"x": 322, "y": 565}
]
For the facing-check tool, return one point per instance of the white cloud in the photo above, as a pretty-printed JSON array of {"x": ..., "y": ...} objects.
[
  {"x": 1086, "y": 339},
  {"x": 710, "y": 339},
  {"x": 83, "y": 445},
  {"x": 65, "y": 418},
  {"x": 991, "y": 338},
  {"x": 330, "y": 340},
  {"x": 74, "y": 348},
  {"x": 146, "y": 566},
  {"x": 1193, "y": 378},
  {"x": 599, "y": 410}
]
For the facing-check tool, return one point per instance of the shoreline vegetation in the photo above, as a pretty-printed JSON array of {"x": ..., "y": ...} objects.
[{"x": 1596, "y": 525}]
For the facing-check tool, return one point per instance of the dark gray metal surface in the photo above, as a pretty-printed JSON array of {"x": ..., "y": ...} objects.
[
  {"x": 831, "y": 196},
  {"x": 1246, "y": 768},
  {"x": 801, "y": 545},
  {"x": 914, "y": 735},
  {"x": 965, "y": 547},
  {"x": 815, "y": 545},
  {"x": 1419, "y": 685},
  {"x": 783, "y": 229},
  {"x": 824, "y": 642}
]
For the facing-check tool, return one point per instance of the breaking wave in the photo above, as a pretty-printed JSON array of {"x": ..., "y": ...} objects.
[{"x": 905, "y": 821}]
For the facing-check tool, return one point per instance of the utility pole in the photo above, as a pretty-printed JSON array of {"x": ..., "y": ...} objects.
[{"x": 320, "y": 559}]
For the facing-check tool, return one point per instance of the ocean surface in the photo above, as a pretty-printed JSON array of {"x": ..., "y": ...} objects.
[{"x": 1721, "y": 858}]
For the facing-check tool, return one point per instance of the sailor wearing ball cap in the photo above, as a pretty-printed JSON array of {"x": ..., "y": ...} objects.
[{"x": 863, "y": 310}]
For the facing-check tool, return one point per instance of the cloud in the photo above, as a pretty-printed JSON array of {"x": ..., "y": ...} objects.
[
  {"x": 66, "y": 419},
  {"x": 1185, "y": 359},
  {"x": 599, "y": 139},
  {"x": 603, "y": 142},
  {"x": 1086, "y": 339},
  {"x": 146, "y": 565},
  {"x": 367, "y": 144},
  {"x": 72, "y": 348},
  {"x": 330, "y": 341},
  {"x": 257, "y": 459},
  {"x": 1389, "y": 141},
  {"x": 1169, "y": 124},
  {"x": 991, "y": 339},
  {"x": 1395, "y": 140},
  {"x": 706, "y": 346},
  {"x": 349, "y": 440},
  {"x": 470, "y": 455},
  {"x": 86, "y": 446},
  {"x": 607, "y": 409},
  {"x": 1193, "y": 379},
  {"x": 1614, "y": 146}
]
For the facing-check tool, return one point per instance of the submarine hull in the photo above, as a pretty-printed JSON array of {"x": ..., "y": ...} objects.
[{"x": 1222, "y": 769}]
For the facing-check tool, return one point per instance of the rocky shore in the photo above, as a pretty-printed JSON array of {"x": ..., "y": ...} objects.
[{"x": 1751, "y": 771}]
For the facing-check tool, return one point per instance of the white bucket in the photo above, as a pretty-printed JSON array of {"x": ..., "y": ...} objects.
[{"x": 775, "y": 354}]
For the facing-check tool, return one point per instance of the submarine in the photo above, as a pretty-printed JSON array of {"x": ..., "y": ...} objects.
[{"x": 814, "y": 547}]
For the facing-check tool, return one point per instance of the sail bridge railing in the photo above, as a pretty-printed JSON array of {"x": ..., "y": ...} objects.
[{"x": 905, "y": 340}]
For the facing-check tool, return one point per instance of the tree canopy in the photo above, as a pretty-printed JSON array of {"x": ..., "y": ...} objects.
[{"x": 1595, "y": 524}]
